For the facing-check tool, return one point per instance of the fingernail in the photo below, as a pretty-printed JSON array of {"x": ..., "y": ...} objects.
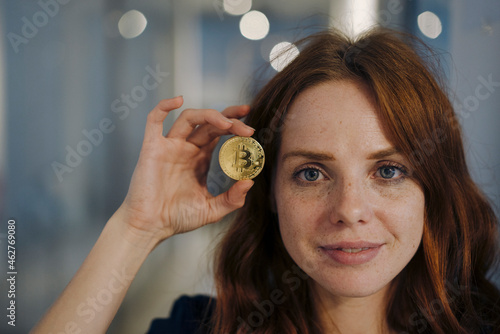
[
  {"x": 227, "y": 119},
  {"x": 250, "y": 127}
]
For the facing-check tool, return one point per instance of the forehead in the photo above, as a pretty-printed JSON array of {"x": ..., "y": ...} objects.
[{"x": 333, "y": 115}]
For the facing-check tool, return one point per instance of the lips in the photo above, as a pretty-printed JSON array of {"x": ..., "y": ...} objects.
[
  {"x": 352, "y": 253},
  {"x": 354, "y": 250}
]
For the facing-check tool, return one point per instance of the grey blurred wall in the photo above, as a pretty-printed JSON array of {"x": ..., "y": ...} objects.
[
  {"x": 66, "y": 78},
  {"x": 475, "y": 50}
]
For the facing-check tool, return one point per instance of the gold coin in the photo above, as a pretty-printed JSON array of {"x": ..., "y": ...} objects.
[{"x": 241, "y": 158}]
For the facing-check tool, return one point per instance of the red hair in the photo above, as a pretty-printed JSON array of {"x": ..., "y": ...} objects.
[{"x": 445, "y": 287}]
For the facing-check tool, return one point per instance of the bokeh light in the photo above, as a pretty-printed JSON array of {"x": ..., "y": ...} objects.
[
  {"x": 282, "y": 54},
  {"x": 237, "y": 7},
  {"x": 429, "y": 24},
  {"x": 254, "y": 25},
  {"x": 132, "y": 24}
]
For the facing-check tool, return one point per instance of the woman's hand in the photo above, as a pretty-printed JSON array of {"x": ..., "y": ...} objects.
[{"x": 168, "y": 193}]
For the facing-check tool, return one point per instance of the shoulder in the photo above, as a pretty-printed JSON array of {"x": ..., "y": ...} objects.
[{"x": 190, "y": 315}]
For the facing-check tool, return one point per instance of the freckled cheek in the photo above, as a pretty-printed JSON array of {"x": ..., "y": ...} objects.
[
  {"x": 293, "y": 210},
  {"x": 403, "y": 217},
  {"x": 300, "y": 199},
  {"x": 297, "y": 211},
  {"x": 387, "y": 194}
]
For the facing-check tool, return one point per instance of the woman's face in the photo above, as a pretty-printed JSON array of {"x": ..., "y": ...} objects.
[{"x": 350, "y": 214}]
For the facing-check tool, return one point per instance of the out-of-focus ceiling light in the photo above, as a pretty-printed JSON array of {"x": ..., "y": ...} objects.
[
  {"x": 254, "y": 25},
  {"x": 429, "y": 24},
  {"x": 282, "y": 54},
  {"x": 132, "y": 24},
  {"x": 237, "y": 7}
]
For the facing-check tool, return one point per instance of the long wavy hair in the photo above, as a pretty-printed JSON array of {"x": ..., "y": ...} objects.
[{"x": 445, "y": 287}]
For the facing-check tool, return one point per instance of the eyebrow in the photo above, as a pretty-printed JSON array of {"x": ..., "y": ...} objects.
[
  {"x": 322, "y": 156},
  {"x": 312, "y": 155},
  {"x": 383, "y": 153}
]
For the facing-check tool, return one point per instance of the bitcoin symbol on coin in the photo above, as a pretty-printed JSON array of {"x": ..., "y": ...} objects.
[{"x": 241, "y": 158}]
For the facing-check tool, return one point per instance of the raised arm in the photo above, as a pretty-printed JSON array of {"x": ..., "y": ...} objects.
[{"x": 167, "y": 195}]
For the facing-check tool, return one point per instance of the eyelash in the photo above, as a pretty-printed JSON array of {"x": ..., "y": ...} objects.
[
  {"x": 401, "y": 168},
  {"x": 384, "y": 164},
  {"x": 303, "y": 169}
]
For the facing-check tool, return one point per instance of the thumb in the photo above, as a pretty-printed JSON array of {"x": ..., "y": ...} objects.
[{"x": 230, "y": 200}]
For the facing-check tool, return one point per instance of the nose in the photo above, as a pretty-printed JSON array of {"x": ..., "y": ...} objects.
[{"x": 350, "y": 203}]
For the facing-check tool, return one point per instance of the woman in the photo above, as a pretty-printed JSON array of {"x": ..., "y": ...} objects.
[{"x": 364, "y": 220}]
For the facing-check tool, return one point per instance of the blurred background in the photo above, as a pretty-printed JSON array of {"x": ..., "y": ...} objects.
[{"x": 77, "y": 79}]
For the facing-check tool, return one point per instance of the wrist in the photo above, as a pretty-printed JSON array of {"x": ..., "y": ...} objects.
[{"x": 126, "y": 227}]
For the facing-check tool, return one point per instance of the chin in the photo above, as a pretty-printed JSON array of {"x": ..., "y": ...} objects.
[{"x": 353, "y": 287}]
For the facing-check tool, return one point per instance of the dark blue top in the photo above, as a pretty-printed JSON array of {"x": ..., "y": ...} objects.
[{"x": 190, "y": 315}]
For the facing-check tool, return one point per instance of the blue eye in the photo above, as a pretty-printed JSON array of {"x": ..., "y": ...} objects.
[
  {"x": 390, "y": 172},
  {"x": 310, "y": 174}
]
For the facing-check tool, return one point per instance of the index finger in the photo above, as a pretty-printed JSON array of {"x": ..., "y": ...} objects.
[
  {"x": 206, "y": 133},
  {"x": 154, "y": 124},
  {"x": 189, "y": 119},
  {"x": 236, "y": 111}
]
